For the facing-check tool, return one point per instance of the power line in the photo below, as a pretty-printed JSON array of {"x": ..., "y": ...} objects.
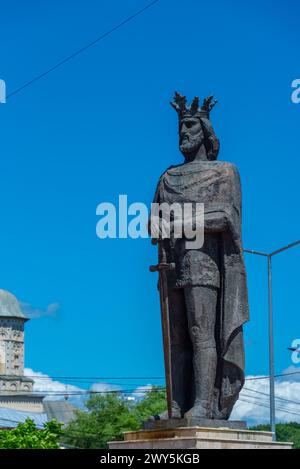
[
  {"x": 278, "y": 406},
  {"x": 258, "y": 403},
  {"x": 267, "y": 406},
  {"x": 83, "y": 49},
  {"x": 161, "y": 389},
  {"x": 268, "y": 395},
  {"x": 276, "y": 376},
  {"x": 17, "y": 421},
  {"x": 39, "y": 427},
  {"x": 84, "y": 392},
  {"x": 141, "y": 390},
  {"x": 97, "y": 378}
]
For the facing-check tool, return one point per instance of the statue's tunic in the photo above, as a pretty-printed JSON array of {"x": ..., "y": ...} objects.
[{"x": 218, "y": 264}]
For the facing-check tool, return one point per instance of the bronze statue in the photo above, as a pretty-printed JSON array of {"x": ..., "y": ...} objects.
[{"x": 203, "y": 291}]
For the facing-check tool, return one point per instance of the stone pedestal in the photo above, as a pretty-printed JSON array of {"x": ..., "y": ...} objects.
[
  {"x": 168, "y": 424},
  {"x": 197, "y": 438}
]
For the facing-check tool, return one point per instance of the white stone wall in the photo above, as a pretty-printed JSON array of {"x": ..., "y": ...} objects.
[
  {"x": 17, "y": 403},
  {"x": 2, "y": 358},
  {"x": 11, "y": 346},
  {"x": 10, "y": 386}
]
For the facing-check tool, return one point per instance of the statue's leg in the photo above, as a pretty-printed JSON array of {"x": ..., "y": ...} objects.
[
  {"x": 181, "y": 353},
  {"x": 201, "y": 305}
]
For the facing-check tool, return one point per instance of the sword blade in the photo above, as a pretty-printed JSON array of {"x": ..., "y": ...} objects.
[{"x": 165, "y": 320}]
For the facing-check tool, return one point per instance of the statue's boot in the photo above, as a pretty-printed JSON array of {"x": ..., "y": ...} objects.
[
  {"x": 205, "y": 363},
  {"x": 201, "y": 409},
  {"x": 176, "y": 413}
]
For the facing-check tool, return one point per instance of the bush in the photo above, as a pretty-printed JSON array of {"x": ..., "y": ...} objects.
[
  {"x": 109, "y": 416},
  {"x": 28, "y": 436},
  {"x": 284, "y": 432}
]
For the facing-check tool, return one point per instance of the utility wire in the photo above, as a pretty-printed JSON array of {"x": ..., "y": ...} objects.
[
  {"x": 267, "y": 406},
  {"x": 276, "y": 397},
  {"x": 89, "y": 435},
  {"x": 18, "y": 421},
  {"x": 95, "y": 378},
  {"x": 266, "y": 402},
  {"x": 82, "y": 49},
  {"x": 39, "y": 427},
  {"x": 83, "y": 392},
  {"x": 276, "y": 376},
  {"x": 141, "y": 390}
]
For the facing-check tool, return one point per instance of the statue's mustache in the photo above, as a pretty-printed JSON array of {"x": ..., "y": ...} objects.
[{"x": 185, "y": 137}]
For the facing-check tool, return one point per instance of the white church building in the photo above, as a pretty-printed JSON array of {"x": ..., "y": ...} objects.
[{"x": 17, "y": 397}]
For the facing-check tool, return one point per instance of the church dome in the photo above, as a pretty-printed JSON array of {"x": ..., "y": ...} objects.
[{"x": 9, "y": 306}]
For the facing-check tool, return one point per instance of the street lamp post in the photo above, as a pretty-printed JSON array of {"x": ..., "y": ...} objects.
[{"x": 271, "y": 334}]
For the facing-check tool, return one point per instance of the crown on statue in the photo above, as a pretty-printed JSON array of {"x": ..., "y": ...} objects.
[{"x": 194, "y": 110}]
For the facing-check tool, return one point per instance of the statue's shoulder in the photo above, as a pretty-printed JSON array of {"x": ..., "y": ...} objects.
[
  {"x": 170, "y": 170},
  {"x": 183, "y": 168},
  {"x": 230, "y": 168}
]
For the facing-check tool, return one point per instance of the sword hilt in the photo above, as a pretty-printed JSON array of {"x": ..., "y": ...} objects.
[{"x": 162, "y": 266}]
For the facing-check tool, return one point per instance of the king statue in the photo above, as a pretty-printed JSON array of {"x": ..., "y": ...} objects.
[{"x": 203, "y": 290}]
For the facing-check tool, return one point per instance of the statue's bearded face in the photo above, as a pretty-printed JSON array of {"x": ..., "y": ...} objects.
[{"x": 190, "y": 135}]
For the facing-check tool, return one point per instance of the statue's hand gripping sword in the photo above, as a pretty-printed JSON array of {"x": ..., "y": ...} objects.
[{"x": 162, "y": 268}]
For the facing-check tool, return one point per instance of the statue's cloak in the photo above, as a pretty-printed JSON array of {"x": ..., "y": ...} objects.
[{"x": 217, "y": 185}]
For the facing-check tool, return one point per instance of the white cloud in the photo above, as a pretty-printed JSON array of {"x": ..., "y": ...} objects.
[
  {"x": 32, "y": 313},
  {"x": 253, "y": 404},
  {"x": 140, "y": 392},
  {"x": 56, "y": 390},
  {"x": 53, "y": 390},
  {"x": 104, "y": 387}
]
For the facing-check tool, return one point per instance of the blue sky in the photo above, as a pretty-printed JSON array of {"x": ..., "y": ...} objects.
[{"x": 100, "y": 126}]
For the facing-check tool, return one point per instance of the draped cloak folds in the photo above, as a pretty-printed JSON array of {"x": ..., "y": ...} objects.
[{"x": 217, "y": 186}]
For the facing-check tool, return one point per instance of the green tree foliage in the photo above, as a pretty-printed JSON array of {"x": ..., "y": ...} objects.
[
  {"x": 284, "y": 432},
  {"x": 109, "y": 416},
  {"x": 27, "y": 436},
  {"x": 153, "y": 404}
]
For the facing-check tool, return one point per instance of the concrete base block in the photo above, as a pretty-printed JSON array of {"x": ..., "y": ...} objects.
[
  {"x": 197, "y": 438},
  {"x": 193, "y": 422}
]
